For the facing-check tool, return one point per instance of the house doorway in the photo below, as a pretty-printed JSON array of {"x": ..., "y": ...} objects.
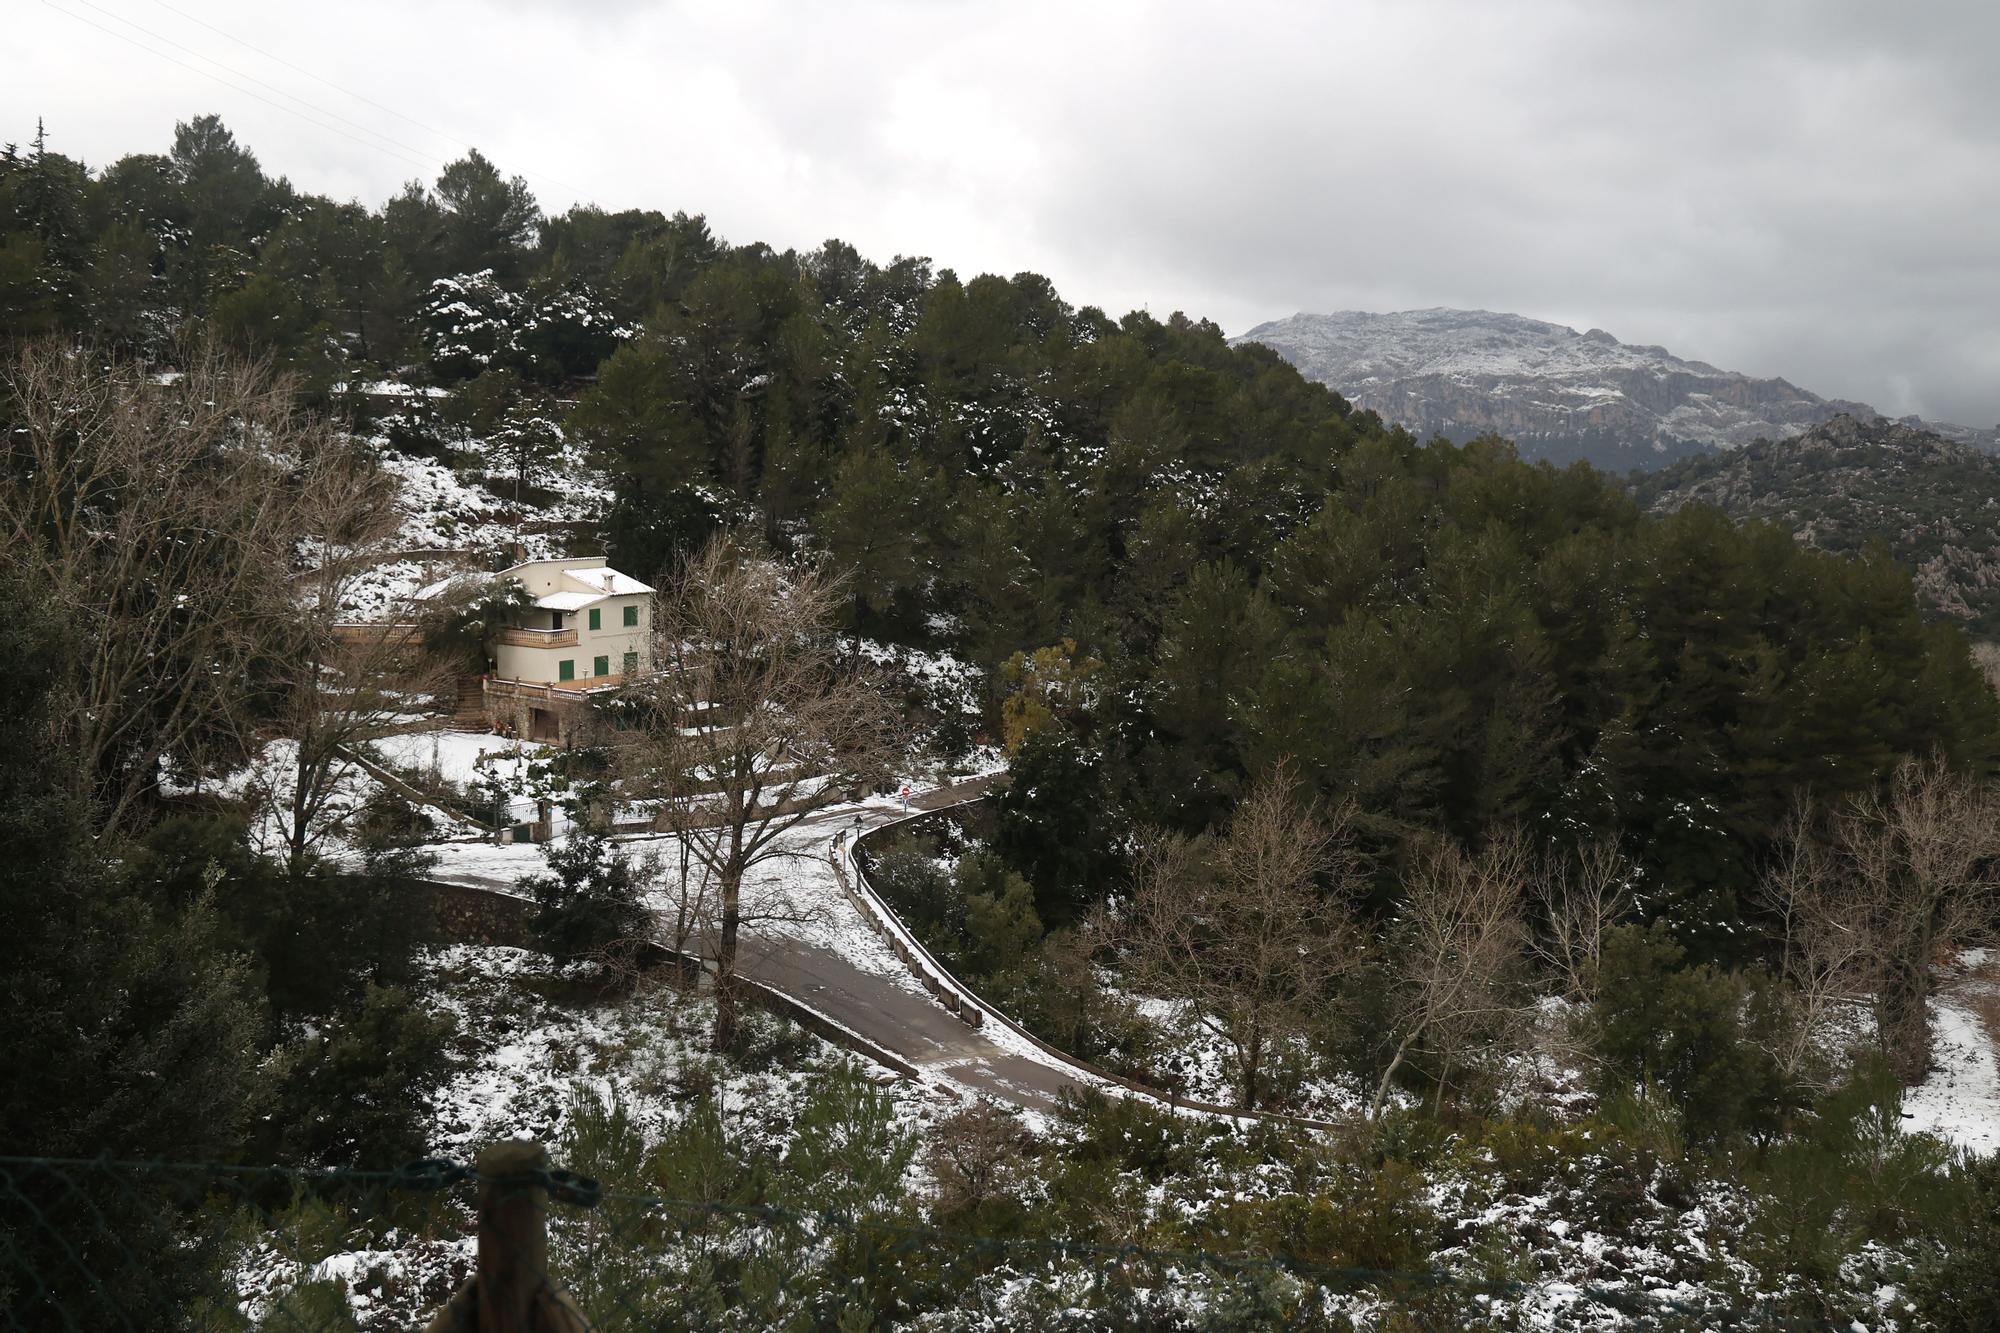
[{"x": 543, "y": 725}]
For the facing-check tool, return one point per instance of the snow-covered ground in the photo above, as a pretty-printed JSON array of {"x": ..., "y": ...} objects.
[
  {"x": 1203, "y": 1064},
  {"x": 381, "y": 592},
  {"x": 265, "y": 785},
  {"x": 450, "y": 523},
  {"x": 524, "y": 1056},
  {"x": 537, "y": 1046},
  {"x": 440, "y": 510},
  {"x": 793, "y": 895},
  {"x": 796, "y": 896},
  {"x": 1960, "y": 1101},
  {"x": 951, "y": 686},
  {"x": 790, "y": 895},
  {"x": 1566, "y": 1222},
  {"x": 482, "y": 860},
  {"x": 462, "y": 758},
  {"x": 540, "y": 1047}
]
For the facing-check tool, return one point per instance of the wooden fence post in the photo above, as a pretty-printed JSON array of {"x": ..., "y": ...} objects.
[
  {"x": 511, "y": 1290},
  {"x": 513, "y": 1236}
]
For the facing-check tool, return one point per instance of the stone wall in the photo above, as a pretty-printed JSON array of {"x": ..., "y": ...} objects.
[{"x": 468, "y": 915}]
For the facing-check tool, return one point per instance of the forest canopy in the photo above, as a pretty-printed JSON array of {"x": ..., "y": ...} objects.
[{"x": 1446, "y": 636}]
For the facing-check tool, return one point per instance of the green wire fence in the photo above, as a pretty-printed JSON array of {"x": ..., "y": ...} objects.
[{"x": 440, "y": 1246}]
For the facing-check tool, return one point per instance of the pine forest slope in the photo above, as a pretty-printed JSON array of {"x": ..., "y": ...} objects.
[
  {"x": 1249, "y": 569},
  {"x": 1170, "y": 571},
  {"x": 1934, "y": 503}
]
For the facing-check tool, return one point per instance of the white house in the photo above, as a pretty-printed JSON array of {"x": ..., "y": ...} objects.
[
  {"x": 590, "y": 628},
  {"x": 590, "y": 625}
]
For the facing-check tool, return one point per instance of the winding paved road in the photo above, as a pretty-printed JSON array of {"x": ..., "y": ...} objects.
[
  {"x": 854, "y": 980},
  {"x": 906, "y": 1023}
]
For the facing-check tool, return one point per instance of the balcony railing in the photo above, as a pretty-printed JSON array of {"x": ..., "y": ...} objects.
[
  {"x": 518, "y": 637},
  {"x": 506, "y": 687}
]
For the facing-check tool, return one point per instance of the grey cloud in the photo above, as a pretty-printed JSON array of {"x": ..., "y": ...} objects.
[{"x": 1803, "y": 188}]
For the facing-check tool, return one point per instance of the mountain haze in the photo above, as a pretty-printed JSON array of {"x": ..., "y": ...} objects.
[{"x": 1559, "y": 394}]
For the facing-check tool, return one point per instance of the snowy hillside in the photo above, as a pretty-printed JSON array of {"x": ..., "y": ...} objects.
[
  {"x": 456, "y": 518},
  {"x": 1560, "y": 394}
]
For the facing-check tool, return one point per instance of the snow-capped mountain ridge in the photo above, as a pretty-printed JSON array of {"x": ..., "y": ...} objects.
[{"x": 1559, "y": 393}]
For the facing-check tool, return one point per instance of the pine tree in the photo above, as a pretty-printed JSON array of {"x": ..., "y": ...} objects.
[
  {"x": 878, "y": 523},
  {"x": 488, "y": 219},
  {"x": 127, "y": 1023},
  {"x": 588, "y": 904},
  {"x": 227, "y": 203},
  {"x": 1058, "y": 825}
]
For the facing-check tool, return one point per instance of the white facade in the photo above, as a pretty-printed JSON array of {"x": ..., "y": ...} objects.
[{"x": 590, "y": 625}]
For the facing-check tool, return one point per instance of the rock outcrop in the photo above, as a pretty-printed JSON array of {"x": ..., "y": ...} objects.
[{"x": 1933, "y": 503}]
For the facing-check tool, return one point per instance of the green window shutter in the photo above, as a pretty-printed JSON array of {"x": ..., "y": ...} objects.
[
  {"x": 631, "y": 664},
  {"x": 600, "y": 666},
  {"x": 596, "y": 618},
  {"x": 566, "y": 669},
  {"x": 631, "y": 616}
]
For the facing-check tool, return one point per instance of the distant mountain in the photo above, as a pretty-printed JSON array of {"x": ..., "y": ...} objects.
[
  {"x": 1935, "y": 503},
  {"x": 1559, "y": 394}
]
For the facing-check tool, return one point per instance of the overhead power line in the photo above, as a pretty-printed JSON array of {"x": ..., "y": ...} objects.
[
  {"x": 415, "y": 154},
  {"x": 236, "y": 87},
  {"x": 301, "y": 69},
  {"x": 390, "y": 146},
  {"x": 349, "y": 92}
]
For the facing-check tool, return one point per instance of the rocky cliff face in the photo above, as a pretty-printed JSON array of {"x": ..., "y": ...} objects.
[
  {"x": 1557, "y": 393},
  {"x": 1935, "y": 503}
]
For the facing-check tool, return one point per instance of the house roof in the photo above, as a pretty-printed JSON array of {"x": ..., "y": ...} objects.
[
  {"x": 449, "y": 583},
  {"x": 578, "y": 582},
  {"x": 607, "y": 580},
  {"x": 568, "y": 601},
  {"x": 585, "y": 573},
  {"x": 390, "y": 389}
]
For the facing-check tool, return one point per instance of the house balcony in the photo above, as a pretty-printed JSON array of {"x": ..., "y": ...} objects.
[
  {"x": 570, "y": 691},
  {"x": 516, "y": 636}
]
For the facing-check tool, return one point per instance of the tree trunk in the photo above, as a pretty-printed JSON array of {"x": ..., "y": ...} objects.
[
  {"x": 1902, "y": 1019},
  {"x": 1388, "y": 1075},
  {"x": 304, "y": 781},
  {"x": 725, "y": 961},
  {"x": 1252, "y": 1058}
]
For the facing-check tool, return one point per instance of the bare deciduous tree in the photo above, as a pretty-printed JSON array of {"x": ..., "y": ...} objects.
[
  {"x": 976, "y": 1155},
  {"x": 753, "y": 721},
  {"x": 1824, "y": 939},
  {"x": 1582, "y": 897},
  {"x": 1455, "y": 951},
  {"x": 1986, "y": 656},
  {"x": 161, "y": 514},
  {"x": 1901, "y": 878},
  {"x": 338, "y": 685},
  {"x": 684, "y": 882},
  {"x": 1248, "y": 932}
]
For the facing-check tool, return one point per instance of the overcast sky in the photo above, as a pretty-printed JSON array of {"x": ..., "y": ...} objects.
[{"x": 1802, "y": 189}]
